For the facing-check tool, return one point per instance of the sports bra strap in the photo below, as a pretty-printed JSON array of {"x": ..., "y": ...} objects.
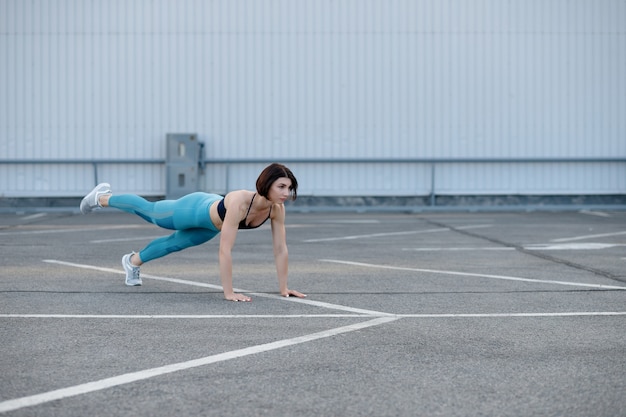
[{"x": 221, "y": 211}]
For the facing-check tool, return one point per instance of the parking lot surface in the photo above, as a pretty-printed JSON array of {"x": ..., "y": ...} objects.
[{"x": 437, "y": 314}]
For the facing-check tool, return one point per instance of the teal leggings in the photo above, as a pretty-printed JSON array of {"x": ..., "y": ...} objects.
[{"x": 189, "y": 216}]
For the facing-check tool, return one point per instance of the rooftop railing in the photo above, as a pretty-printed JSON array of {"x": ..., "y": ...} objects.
[{"x": 229, "y": 162}]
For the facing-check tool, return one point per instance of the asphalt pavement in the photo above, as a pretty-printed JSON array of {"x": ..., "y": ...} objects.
[{"x": 423, "y": 314}]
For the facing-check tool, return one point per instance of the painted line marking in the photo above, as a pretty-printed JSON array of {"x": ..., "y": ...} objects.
[
  {"x": 348, "y": 221},
  {"x": 595, "y": 213},
  {"x": 324, "y": 305},
  {"x": 538, "y": 246},
  {"x": 187, "y": 316},
  {"x": 570, "y": 239},
  {"x": 128, "y": 239},
  {"x": 474, "y": 226},
  {"x": 15, "y": 404},
  {"x": 218, "y": 287},
  {"x": 18, "y": 403},
  {"x": 117, "y": 271},
  {"x": 82, "y": 229},
  {"x": 573, "y": 246},
  {"x": 471, "y": 274},
  {"x": 457, "y": 249},
  {"x": 307, "y": 316},
  {"x": 34, "y": 216},
  {"x": 411, "y": 232},
  {"x": 496, "y": 315}
]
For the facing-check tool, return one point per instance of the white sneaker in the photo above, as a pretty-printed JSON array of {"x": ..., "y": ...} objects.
[
  {"x": 91, "y": 201},
  {"x": 132, "y": 272}
]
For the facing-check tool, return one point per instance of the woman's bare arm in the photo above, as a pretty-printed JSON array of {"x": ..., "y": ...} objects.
[
  {"x": 281, "y": 254},
  {"x": 228, "y": 236}
]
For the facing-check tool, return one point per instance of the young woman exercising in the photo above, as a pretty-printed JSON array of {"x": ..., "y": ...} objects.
[{"x": 199, "y": 217}]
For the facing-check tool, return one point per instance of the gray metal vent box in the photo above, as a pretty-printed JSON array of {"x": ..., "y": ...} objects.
[{"x": 184, "y": 161}]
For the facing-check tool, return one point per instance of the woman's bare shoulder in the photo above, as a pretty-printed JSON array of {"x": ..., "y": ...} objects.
[
  {"x": 238, "y": 195},
  {"x": 238, "y": 199}
]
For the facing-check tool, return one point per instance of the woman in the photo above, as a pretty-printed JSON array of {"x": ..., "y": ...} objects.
[{"x": 199, "y": 217}]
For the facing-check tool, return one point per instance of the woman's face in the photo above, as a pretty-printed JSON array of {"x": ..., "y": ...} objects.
[{"x": 280, "y": 190}]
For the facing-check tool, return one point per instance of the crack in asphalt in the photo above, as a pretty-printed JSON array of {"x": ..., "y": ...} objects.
[{"x": 535, "y": 253}]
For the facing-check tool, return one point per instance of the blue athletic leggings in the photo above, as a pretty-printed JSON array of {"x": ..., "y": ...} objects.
[{"x": 189, "y": 216}]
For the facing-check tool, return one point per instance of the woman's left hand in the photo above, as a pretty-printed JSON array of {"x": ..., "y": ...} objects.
[{"x": 294, "y": 293}]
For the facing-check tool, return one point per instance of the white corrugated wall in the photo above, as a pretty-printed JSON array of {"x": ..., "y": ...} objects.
[{"x": 285, "y": 79}]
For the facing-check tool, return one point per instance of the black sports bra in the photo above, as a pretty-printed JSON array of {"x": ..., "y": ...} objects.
[{"x": 221, "y": 211}]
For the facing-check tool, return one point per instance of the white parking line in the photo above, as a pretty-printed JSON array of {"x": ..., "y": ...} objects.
[
  {"x": 573, "y": 246},
  {"x": 32, "y": 400},
  {"x": 71, "y": 230},
  {"x": 307, "y": 316},
  {"x": 34, "y": 216},
  {"x": 353, "y": 237},
  {"x": 117, "y": 271},
  {"x": 128, "y": 239},
  {"x": 15, "y": 404},
  {"x": 595, "y": 213},
  {"x": 471, "y": 274},
  {"x": 538, "y": 246},
  {"x": 570, "y": 239},
  {"x": 491, "y": 248},
  {"x": 188, "y": 316},
  {"x": 352, "y": 221},
  {"x": 411, "y": 232},
  {"x": 217, "y": 287},
  {"x": 512, "y": 315}
]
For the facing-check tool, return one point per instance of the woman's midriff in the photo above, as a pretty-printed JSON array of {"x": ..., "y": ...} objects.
[{"x": 215, "y": 218}]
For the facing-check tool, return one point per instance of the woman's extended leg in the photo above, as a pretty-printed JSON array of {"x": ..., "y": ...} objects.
[
  {"x": 188, "y": 212},
  {"x": 177, "y": 241},
  {"x": 189, "y": 216}
]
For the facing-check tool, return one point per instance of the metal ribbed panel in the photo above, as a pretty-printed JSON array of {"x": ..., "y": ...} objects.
[{"x": 315, "y": 79}]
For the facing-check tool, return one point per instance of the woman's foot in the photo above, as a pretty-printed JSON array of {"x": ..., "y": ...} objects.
[
  {"x": 132, "y": 272},
  {"x": 91, "y": 201}
]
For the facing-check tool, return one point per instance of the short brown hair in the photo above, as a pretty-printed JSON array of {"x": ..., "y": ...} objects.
[{"x": 270, "y": 174}]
